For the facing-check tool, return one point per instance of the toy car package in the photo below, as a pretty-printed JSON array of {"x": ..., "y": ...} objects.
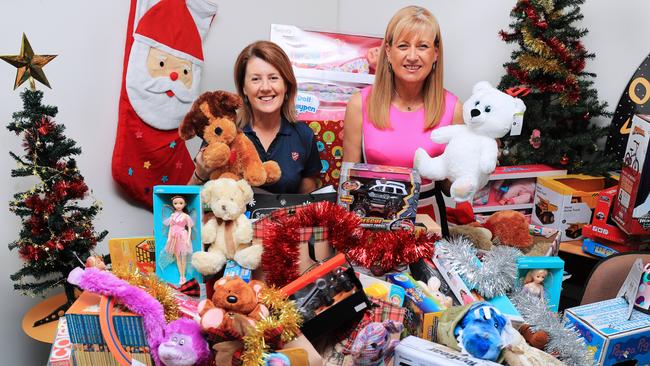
[{"x": 385, "y": 197}]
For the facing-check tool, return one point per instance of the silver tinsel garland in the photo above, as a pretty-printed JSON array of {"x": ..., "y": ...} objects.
[
  {"x": 493, "y": 276},
  {"x": 564, "y": 342}
]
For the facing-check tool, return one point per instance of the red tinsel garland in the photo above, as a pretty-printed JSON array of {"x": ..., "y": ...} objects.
[{"x": 385, "y": 249}]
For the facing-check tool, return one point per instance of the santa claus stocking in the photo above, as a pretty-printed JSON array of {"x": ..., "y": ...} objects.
[{"x": 163, "y": 61}]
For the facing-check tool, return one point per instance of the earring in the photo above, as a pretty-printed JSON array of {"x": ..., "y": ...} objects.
[
  {"x": 246, "y": 99},
  {"x": 434, "y": 66},
  {"x": 286, "y": 97},
  {"x": 390, "y": 67}
]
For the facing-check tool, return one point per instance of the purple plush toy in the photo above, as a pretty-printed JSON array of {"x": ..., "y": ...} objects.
[{"x": 178, "y": 343}]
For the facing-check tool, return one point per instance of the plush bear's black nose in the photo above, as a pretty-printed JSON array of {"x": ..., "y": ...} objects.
[
  {"x": 475, "y": 112},
  {"x": 218, "y": 131},
  {"x": 231, "y": 299}
]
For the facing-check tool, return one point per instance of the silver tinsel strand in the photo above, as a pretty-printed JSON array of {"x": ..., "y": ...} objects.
[
  {"x": 564, "y": 342},
  {"x": 494, "y": 275}
]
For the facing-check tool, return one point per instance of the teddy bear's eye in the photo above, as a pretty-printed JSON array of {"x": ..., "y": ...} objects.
[
  {"x": 373, "y": 345},
  {"x": 181, "y": 342},
  {"x": 488, "y": 109},
  {"x": 174, "y": 339},
  {"x": 477, "y": 103}
]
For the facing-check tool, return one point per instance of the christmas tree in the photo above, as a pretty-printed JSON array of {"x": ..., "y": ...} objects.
[
  {"x": 547, "y": 72},
  {"x": 57, "y": 231}
]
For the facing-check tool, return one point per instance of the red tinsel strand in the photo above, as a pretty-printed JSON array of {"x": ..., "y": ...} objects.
[
  {"x": 388, "y": 249},
  {"x": 508, "y": 36}
]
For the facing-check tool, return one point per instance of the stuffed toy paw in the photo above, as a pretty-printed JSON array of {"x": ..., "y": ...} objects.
[{"x": 471, "y": 152}]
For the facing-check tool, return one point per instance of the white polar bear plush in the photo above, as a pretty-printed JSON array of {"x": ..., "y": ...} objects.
[
  {"x": 471, "y": 152},
  {"x": 229, "y": 232}
]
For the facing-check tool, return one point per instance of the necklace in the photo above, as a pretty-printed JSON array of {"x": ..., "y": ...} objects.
[{"x": 408, "y": 107}]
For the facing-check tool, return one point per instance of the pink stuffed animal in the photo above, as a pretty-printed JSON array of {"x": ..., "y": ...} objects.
[
  {"x": 519, "y": 192},
  {"x": 373, "y": 345}
]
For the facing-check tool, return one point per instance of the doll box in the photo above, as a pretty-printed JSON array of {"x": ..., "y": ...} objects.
[
  {"x": 607, "y": 332},
  {"x": 61, "y": 352},
  {"x": 385, "y": 197},
  {"x": 553, "y": 280},
  {"x": 565, "y": 203},
  {"x": 166, "y": 267},
  {"x": 515, "y": 185},
  {"x": 632, "y": 207},
  {"x": 414, "y": 351}
]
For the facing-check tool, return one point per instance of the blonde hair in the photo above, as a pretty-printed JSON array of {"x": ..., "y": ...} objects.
[
  {"x": 531, "y": 273},
  {"x": 408, "y": 20},
  {"x": 271, "y": 53}
]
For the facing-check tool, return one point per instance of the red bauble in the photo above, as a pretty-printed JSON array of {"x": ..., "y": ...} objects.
[{"x": 564, "y": 160}]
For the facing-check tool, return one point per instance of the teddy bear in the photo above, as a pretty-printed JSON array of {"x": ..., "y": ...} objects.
[
  {"x": 229, "y": 152},
  {"x": 229, "y": 232},
  {"x": 471, "y": 152},
  {"x": 230, "y": 315}
]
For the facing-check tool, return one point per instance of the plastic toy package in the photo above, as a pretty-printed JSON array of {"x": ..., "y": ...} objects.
[
  {"x": 327, "y": 296},
  {"x": 385, "y": 197}
]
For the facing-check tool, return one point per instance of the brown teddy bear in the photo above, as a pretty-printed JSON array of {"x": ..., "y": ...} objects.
[
  {"x": 232, "y": 155},
  {"x": 231, "y": 315},
  {"x": 232, "y": 296}
]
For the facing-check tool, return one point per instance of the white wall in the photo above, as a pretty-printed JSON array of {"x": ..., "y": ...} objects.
[{"x": 89, "y": 38}]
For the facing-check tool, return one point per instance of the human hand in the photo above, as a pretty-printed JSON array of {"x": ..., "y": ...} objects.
[{"x": 202, "y": 170}]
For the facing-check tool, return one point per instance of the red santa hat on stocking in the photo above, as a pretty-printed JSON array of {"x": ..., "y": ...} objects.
[{"x": 163, "y": 63}]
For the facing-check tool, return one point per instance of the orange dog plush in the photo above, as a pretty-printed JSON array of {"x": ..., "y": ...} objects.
[
  {"x": 232, "y": 155},
  {"x": 509, "y": 228}
]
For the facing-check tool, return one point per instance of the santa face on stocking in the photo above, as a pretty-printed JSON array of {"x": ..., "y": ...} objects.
[
  {"x": 164, "y": 68},
  {"x": 161, "y": 86}
]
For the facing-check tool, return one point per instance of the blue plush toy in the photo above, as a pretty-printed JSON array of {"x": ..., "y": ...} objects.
[{"x": 483, "y": 332}]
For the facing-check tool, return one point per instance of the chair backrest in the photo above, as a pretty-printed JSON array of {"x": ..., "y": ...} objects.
[{"x": 608, "y": 276}]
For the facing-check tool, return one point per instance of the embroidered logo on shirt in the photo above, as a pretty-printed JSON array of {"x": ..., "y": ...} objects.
[{"x": 295, "y": 156}]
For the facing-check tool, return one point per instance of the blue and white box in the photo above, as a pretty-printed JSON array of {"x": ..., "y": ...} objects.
[{"x": 609, "y": 334}]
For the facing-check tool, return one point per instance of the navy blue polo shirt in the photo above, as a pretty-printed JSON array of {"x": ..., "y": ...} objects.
[{"x": 294, "y": 149}]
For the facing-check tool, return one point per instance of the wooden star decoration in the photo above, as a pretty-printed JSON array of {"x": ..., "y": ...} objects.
[{"x": 29, "y": 66}]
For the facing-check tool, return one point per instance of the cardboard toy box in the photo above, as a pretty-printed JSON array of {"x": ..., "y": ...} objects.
[
  {"x": 414, "y": 351},
  {"x": 385, "y": 197},
  {"x": 128, "y": 254},
  {"x": 632, "y": 207},
  {"x": 566, "y": 202},
  {"x": 607, "y": 332}
]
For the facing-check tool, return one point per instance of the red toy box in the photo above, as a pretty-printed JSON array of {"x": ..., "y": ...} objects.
[{"x": 632, "y": 206}]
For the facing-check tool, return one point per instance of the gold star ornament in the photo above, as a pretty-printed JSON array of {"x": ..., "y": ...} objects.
[{"x": 29, "y": 66}]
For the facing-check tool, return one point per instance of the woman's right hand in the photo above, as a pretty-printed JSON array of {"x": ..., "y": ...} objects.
[{"x": 201, "y": 171}]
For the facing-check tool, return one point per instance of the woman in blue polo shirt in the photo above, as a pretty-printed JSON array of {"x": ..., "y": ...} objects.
[{"x": 265, "y": 81}]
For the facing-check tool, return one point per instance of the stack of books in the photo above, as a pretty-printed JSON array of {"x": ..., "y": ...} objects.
[{"x": 89, "y": 347}]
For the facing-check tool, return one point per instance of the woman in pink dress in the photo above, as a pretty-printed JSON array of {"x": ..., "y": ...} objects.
[
  {"x": 179, "y": 239},
  {"x": 388, "y": 121}
]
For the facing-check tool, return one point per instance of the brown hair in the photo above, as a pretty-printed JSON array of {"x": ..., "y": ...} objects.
[
  {"x": 274, "y": 55},
  {"x": 408, "y": 20}
]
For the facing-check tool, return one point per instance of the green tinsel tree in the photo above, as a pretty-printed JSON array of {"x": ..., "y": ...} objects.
[
  {"x": 57, "y": 232},
  {"x": 547, "y": 72}
]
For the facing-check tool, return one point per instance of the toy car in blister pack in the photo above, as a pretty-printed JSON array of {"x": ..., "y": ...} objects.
[
  {"x": 327, "y": 297},
  {"x": 384, "y": 197}
]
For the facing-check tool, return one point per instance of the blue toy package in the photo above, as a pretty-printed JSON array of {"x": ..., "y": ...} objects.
[
  {"x": 542, "y": 277},
  {"x": 600, "y": 250},
  {"x": 234, "y": 269},
  {"x": 415, "y": 293},
  {"x": 177, "y": 231}
]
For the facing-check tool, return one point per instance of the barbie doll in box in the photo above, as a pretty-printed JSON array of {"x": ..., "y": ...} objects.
[
  {"x": 534, "y": 282},
  {"x": 179, "y": 239}
]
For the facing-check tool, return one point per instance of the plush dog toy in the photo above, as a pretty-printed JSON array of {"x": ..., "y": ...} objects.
[
  {"x": 232, "y": 155},
  {"x": 478, "y": 329},
  {"x": 510, "y": 228},
  {"x": 229, "y": 232},
  {"x": 178, "y": 343},
  {"x": 471, "y": 152},
  {"x": 373, "y": 345}
]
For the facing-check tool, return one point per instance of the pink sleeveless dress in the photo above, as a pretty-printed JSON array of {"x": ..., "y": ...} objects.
[
  {"x": 177, "y": 243},
  {"x": 396, "y": 145}
]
